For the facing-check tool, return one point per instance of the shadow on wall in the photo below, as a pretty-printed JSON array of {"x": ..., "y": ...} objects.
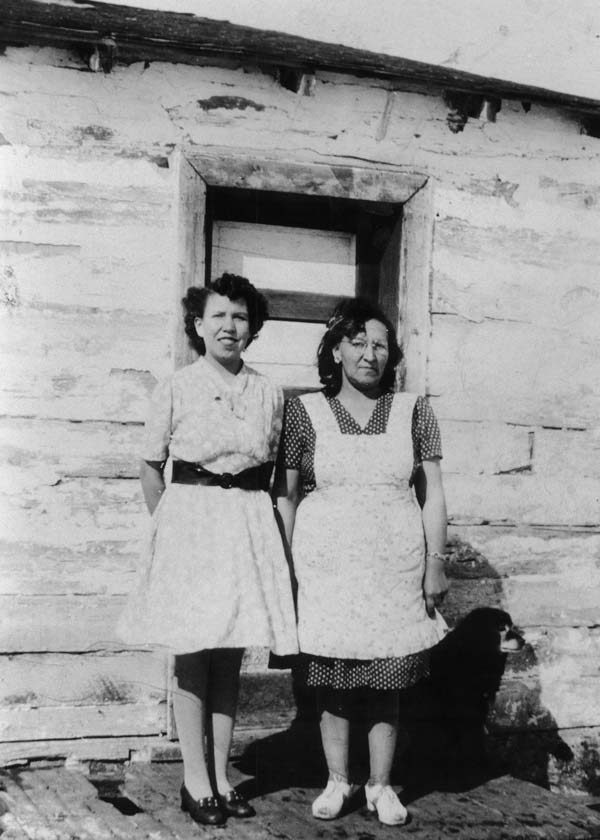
[
  {"x": 479, "y": 716},
  {"x": 515, "y": 734}
]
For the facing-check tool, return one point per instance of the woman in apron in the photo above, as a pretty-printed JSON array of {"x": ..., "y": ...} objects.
[{"x": 368, "y": 558}]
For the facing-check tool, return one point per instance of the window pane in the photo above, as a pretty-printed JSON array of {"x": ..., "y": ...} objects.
[{"x": 286, "y": 258}]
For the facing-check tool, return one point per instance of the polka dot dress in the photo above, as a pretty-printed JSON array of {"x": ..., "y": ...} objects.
[
  {"x": 298, "y": 451},
  {"x": 299, "y": 438}
]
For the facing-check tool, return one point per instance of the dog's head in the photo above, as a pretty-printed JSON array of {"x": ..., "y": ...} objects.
[{"x": 492, "y": 629}]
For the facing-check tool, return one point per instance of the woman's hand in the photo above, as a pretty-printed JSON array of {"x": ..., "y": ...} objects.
[
  {"x": 435, "y": 583},
  {"x": 433, "y": 503}
]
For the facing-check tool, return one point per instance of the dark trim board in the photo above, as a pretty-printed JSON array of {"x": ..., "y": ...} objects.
[
  {"x": 299, "y": 306},
  {"x": 143, "y": 34}
]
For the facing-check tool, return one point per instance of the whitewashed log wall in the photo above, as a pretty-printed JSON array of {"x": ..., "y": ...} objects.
[{"x": 89, "y": 261}]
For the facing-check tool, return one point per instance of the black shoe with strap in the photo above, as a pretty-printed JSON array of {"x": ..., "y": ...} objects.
[
  {"x": 206, "y": 811},
  {"x": 234, "y": 804}
]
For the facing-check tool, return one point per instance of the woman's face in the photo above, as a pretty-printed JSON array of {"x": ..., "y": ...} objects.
[
  {"x": 225, "y": 329},
  {"x": 364, "y": 357}
]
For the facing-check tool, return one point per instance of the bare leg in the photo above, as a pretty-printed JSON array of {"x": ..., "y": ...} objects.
[
  {"x": 222, "y": 702},
  {"x": 335, "y": 734},
  {"x": 189, "y": 707},
  {"x": 383, "y": 732}
]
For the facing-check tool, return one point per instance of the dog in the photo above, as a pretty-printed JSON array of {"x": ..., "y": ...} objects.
[{"x": 466, "y": 670}]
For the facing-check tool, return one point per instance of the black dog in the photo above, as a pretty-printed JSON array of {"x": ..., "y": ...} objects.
[
  {"x": 466, "y": 667},
  {"x": 466, "y": 671}
]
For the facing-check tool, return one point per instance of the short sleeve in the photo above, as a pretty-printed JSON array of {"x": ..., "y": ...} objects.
[
  {"x": 293, "y": 439},
  {"x": 276, "y": 422},
  {"x": 427, "y": 441},
  {"x": 157, "y": 431}
]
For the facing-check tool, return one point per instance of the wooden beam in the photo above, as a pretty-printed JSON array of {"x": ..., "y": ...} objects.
[
  {"x": 144, "y": 34},
  {"x": 299, "y": 306},
  {"x": 384, "y": 184}
]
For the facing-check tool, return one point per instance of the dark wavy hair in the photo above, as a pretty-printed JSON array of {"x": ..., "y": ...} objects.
[
  {"x": 347, "y": 320},
  {"x": 235, "y": 288}
]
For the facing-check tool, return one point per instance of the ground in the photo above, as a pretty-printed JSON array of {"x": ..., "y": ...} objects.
[{"x": 141, "y": 802}]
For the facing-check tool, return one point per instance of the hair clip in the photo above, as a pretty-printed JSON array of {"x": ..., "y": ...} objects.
[{"x": 334, "y": 321}]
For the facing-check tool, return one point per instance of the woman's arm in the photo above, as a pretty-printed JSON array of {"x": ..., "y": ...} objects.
[
  {"x": 435, "y": 521},
  {"x": 286, "y": 496},
  {"x": 153, "y": 483}
]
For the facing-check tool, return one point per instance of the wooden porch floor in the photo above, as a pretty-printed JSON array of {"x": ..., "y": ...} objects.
[{"x": 141, "y": 802}]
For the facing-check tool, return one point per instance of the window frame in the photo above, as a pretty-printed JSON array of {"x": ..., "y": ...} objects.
[{"x": 408, "y": 263}]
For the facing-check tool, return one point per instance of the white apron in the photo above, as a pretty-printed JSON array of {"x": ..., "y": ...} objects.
[{"x": 358, "y": 543}]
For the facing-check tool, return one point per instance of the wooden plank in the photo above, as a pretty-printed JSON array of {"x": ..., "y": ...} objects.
[
  {"x": 565, "y": 452},
  {"x": 541, "y": 600},
  {"x": 501, "y": 206},
  {"x": 74, "y": 202},
  {"x": 81, "y": 365},
  {"x": 191, "y": 252},
  {"x": 32, "y": 816},
  {"x": 530, "y": 246},
  {"x": 504, "y": 371},
  {"x": 414, "y": 287},
  {"x": 92, "y": 117},
  {"x": 82, "y": 749},
  {"x": 82, "y": 449},
  {"x": 522, "y": 499},
  {"x": 61, "y": 175},
  {"x": 381, "y": 184},
  {"x": 62, "y": 623},
  {"x": 49, "y": 680},
  {"x": 145, "y": 33},
  {"x": 120, "y": 394},
  {"x": 483, "y": 550},
  {"x": 101, "y": 568},
  {"x": 51, "y": 809},
  {"x": 74, "y": 513},
  {"x": 51, "y": 211},
  {"x": 147, "y": 748},
  {"x": 472, "y": 448},
  {"x": 20, "y": 722},
  {"x": 85, "y": 275},
  {"x": 286, "y": 343},
  {"x": 390, "y": 270},
  {"x": 286, "y": 259},
  {"x": 572, "y": 649},
  {"x": 478, "y": 289},
  {"x": 79, "y": 798},
  {"x": 570, "y": 195},
  {"x": 551, "y": 683},
  {"x": 300, "y": 306}
]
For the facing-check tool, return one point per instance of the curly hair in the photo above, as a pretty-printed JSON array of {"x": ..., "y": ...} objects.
[
  {"x": 235, "y": 288},
  {"x": 347, "y": 320}
]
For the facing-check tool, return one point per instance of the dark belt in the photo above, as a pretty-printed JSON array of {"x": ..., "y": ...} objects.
[{"x": 254, "y": 478}]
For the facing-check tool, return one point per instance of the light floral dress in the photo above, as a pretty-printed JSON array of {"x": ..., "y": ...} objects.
[
  {"x": 213, "y": 573},
  {"x": 359, "y": 551}
]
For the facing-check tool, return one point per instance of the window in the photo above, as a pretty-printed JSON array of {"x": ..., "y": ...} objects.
[{"x": 306, "y": 235}]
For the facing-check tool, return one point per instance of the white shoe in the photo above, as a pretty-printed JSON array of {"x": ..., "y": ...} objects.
[
  {"x": 381, "y": 798},
  {"x": 328, "y": 805}
]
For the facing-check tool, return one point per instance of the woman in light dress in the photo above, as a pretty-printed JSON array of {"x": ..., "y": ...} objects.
[
  {"x": 215, "y": 579},
  {"x": 369, "y": 559}
]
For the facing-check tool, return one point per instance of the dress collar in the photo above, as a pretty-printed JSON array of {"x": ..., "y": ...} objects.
[{"x": 235, "y": 383}]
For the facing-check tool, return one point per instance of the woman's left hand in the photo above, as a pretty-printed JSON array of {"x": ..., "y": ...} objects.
[{"x": 435, "y": 584}]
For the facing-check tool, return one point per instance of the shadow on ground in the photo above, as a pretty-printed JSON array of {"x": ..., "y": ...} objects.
[{"x": 456, "y": 734}]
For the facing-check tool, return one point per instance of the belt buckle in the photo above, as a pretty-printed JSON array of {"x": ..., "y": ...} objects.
[{"x": 226, "y": 481}]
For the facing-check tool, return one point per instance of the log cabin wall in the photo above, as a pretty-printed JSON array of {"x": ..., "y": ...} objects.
[{"x": 91, "y": 212}]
